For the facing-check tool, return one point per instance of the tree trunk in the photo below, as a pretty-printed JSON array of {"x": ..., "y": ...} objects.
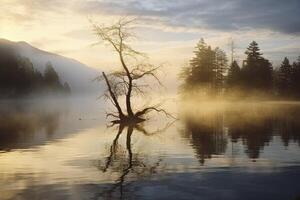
[
  {"x": 116, "y": 103},
  {"x": 128, "y": 95}
]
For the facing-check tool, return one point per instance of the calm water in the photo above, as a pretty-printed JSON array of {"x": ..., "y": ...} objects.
[{"x": 64, "y": 150}]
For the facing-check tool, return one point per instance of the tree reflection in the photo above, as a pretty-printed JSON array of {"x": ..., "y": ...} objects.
[
  {"x": 254, "y": 128},
  {"x": 19, "y": 128},
  {"x": 127, "y": 164},
  {"x": 289, "y": 127},
  {"x": 206, "y": 138},
  {"x": 255, "y": 134}
]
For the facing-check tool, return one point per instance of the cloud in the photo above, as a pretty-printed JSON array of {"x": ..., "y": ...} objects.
[
  {"x": 169, "y": 28},
  {"x": 27, "y": 11},
  {"x": 230, "y": 15}
]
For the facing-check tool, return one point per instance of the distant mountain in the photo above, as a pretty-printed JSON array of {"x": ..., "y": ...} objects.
[{"x": 78, "y": 75}]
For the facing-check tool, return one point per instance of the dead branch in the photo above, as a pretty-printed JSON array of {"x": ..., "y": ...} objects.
[
  {"x": 157, "y": 131},
  {"x": 149, "y": 109},
  {"x": 116, "y": 103}
]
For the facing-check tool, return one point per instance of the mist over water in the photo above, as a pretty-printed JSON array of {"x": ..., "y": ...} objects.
[
  {"x": 30, "y": 122},
  {"x": 63, "y": 149}
]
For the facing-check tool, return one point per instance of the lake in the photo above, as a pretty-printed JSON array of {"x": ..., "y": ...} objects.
[{"x": 64, "y": 149}]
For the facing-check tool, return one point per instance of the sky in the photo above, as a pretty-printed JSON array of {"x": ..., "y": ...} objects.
[{"x": 168, "y": 30}]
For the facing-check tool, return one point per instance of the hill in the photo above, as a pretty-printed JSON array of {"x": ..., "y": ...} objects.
[{"x": 78, "y": 75}]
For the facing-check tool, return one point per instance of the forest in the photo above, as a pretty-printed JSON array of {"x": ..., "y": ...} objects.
[
  {"x": 210, "y": 75},
  {"x": 19, "y": 78}
]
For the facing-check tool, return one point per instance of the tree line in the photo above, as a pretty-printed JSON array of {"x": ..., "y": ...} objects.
[
  {"x": 209, "y": 74},
  {"x": 19, "y": 78}
]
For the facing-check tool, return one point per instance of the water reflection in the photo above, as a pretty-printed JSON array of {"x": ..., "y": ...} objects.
[
  {"x": 127, "y": 164},
  {"x": 21, "y": 128},
  {"x": 25, "y": 124},
  {"x": 252, "y": 125},
  {"x": 206, "y": 139},
  {"x": 208, "y": 154}
]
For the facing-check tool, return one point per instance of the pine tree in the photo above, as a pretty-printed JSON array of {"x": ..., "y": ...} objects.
[
  {"x": 295, "y": 78},
  {"x": 202, "y": 63},
  {"x": 257, "y": 73},
  {"x": 51, "y": 78},
  {"x": 19, "y": 78},
  {"x": 206, "y": 71},
  {"x": 253, "y": 52},
  {"x": 234, "y": 75},
  {"x": 50, "y": 74},
  {"x": 26, "y": 75},
  {"x": 201, "y": 74},
  {"x": 285, "y": 78}
]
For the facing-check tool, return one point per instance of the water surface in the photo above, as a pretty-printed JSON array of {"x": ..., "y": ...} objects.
[{"x": 64, "y": 150}]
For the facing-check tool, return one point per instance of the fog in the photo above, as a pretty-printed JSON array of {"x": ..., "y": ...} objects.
[{"x": 79, "y": 76}]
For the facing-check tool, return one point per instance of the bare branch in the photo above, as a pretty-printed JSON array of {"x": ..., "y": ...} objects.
[
  {"x": 158, "y": 131},
  {"x": 112, "y": 115},
  {"x": 149, "y": 109},
  {"x": 143, "y": 70},
  {"x": 113, "y": 97}
]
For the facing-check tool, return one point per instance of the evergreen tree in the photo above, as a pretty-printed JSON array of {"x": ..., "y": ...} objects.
[
  {"x": 253, "y": 52},
  {"x": 234, "y": 75},
  {"x": 67, "y": 88},
  {"x": 202, "y": 64},
  {"x": 257, "y": 71},
  {"x": 19, "y": 78},
  {"x": 200, "y": 72},
  {"x": 285, "y": 78},
  {"x": 26, "y": 75},
  {"x": 51, "y": 78},
  {"x": 8, "y": 72},
  {"x": 206, "y": 71},
  {"x": 50, "y": 74},
  {"x": 295, "y": 78},
  {"x": 38, "y": 81}
]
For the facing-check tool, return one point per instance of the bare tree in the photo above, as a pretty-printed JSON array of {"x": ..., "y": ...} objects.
[{"x": 130, "y": 80}]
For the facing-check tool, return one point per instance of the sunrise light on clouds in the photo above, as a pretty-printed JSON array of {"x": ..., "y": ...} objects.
[{"x": 167, "y": 30}]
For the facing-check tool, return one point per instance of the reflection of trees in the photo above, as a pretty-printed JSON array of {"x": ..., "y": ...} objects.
[
  {"x": 207, "y": 138},
  {"x": 253, "y": 135},
  {"x": 255, "y": 128},
  {"x": 289, "y": 126},
  {"x": 128, "y": 165},
  {"x": 18, "y": 127}
]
